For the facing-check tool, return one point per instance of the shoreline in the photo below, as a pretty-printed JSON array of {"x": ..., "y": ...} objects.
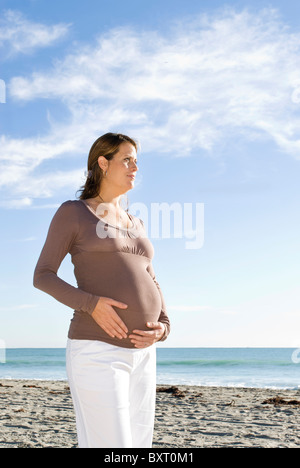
[
  {"x": 39, "y": 413},
  {"x": 192, "y": 385}
]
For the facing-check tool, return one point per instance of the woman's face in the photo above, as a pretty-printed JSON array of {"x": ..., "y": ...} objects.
[{"x": 121, "y": 170}]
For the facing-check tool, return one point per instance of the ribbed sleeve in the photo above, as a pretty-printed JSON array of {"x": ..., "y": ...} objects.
[{"x": 60, "y": 238}]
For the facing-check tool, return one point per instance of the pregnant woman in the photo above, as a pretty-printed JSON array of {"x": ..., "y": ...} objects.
[{"x": 119, "y": 309}]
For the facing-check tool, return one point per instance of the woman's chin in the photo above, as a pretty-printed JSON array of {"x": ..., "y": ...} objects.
[{"x": 130, "y": 184}]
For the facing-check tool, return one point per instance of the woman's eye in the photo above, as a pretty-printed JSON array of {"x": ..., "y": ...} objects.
[{"x": 128, "y": 159}]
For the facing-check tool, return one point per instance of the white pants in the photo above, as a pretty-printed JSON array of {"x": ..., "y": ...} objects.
[{"x": 113, "y": 391}]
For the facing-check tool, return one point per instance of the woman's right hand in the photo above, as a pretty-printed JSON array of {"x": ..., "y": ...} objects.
[{"x": 108, "y": 319}]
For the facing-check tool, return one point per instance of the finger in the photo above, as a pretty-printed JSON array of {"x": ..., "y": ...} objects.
[
  {"x": 118, "y": 332},
  {"x": 118, "y": 323},
  {"x": 113, "y": 323},
  {"x": 120, "y": 305},
  {"x": 108, "y": 331},
  {"x": 138, "y": 339},
  {"x": 141, "y": 337},
  {"x": 153, "y": 324},
  {"x": 114, "y": 331},
  {"x": 142, "y": 341},
  {"x": 142, "y": 333}
]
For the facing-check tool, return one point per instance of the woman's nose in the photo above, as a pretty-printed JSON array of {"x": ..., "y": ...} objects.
[{"x": 134, "y": 165}]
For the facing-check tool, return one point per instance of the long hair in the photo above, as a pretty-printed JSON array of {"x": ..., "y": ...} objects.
[{"x": 107, "y": 145}]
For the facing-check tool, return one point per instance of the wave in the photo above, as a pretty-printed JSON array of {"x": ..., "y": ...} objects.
[
  {"x": 264, "y": 368},
  {"x": 31, "y": 363},
  {"x": 223, "y": 362}
]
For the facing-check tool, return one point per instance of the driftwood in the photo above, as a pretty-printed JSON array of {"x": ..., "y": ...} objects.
[
  {"x": 278, "y": 401},
  {"x": 173, "y": 390}
]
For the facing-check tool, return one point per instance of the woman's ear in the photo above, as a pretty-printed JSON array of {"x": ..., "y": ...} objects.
[{"x": 103, "y": 163}]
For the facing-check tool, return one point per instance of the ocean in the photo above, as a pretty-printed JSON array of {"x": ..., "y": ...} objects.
[{"x": 277, "y": 368}]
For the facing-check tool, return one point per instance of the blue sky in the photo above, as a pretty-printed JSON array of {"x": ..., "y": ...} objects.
[{"x": 212, "y": 92}]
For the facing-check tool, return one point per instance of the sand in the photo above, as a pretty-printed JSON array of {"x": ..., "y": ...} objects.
[{"x": 39, "y": 414}]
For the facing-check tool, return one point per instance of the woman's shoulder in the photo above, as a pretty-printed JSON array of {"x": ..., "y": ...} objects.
[
  {"x": 68, "y": 209},
  {"x": 70, "y": 204}
]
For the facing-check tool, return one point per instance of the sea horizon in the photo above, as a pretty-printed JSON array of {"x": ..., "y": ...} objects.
[{"x": 201, "y": 366}]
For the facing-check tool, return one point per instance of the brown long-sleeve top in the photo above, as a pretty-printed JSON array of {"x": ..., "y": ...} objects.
[{"x": 108, "y": 261}]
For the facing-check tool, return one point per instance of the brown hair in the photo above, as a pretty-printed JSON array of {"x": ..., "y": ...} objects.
[{"x": 107, "y": 145}]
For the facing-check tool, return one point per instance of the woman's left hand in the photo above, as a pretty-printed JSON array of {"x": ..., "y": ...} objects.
[{"x": 143, "y": 339}]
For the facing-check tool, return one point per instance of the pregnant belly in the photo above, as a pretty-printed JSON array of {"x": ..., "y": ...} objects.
[
  {"x": 125, "y": 278},
  {"x": 143, "y": 300}
]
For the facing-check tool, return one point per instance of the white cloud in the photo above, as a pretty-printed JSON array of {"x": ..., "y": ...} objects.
[
  {"x": 19, "y": 35},
  {"x": 16, "y": 204},
  {"x": 192, "y": 88}
]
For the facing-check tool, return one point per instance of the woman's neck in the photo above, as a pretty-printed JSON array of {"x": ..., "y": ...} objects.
[{"x": 108, "y": 195}]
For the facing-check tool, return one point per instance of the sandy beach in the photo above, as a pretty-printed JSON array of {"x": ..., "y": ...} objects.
[{"x": 39, "y": 414}]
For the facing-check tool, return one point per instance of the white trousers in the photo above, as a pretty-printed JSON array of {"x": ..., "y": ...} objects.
[{"x": 113, "y": 391}]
